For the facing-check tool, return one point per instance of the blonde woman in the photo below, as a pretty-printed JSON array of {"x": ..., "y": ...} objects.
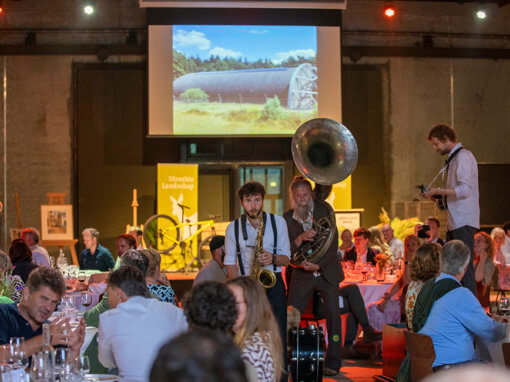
[
  {"x": 498, "y": 239},
  {"x": 256, "y": 332},
  {"x": 377, "y": 242},
  {"x": 157, "y": 283},
  {"x": 485, "y": 269}
]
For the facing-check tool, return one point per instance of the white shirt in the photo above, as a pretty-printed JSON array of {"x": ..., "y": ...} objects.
[
  {"x": 247, "y": 246},
  {"x": 131, "y": 335},
  {"x": 397, "y": 248},
  {"x": 505, "y": 249},
  {"x": 464, "y": 208},
  {"x": 40, "y": 255},
  {"x": 210, "y": 272}
]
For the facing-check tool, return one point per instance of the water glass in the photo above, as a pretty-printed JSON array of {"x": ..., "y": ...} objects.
[
  {"x": 41, "y": 370},
  {"x": 82, "y": 365},
  {"x": 504, "y": 305},
  {"x": 17, "y": 346}
]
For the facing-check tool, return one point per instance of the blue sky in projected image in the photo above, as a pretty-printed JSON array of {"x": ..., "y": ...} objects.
[{"x": 275, "y": 43}]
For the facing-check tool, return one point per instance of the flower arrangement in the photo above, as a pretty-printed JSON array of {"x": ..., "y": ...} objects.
[
  {"x": 381, "y": 259},
  {"x": 401, "y": 227},
  {"x": 10, "y": 286}
]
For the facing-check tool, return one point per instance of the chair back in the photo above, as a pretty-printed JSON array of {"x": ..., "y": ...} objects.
[
  {"x": 421, "y": 354},
  {"x": 506, "y": 353}
]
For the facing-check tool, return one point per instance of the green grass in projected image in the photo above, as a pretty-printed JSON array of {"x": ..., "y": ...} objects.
[{"x": 214, "y": 118}]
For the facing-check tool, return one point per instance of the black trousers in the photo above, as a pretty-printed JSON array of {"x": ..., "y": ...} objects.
[
  {"x": 466, "y": 234},
  {"x": 278, "y": 300},
  {"x": 299, "y": 295},
  {"x": 355, "y": 306}
]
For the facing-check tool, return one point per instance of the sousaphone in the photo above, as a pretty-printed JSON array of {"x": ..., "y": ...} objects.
[{"x": 325, "y": 152}]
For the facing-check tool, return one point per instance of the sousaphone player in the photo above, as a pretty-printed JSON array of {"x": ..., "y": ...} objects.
[{"x": 327, "y": 153}]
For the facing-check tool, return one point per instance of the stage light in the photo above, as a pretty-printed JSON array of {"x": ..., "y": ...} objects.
[
  {"x": 1, "y": 7},
  {"x": 389, "y": 10},
  {"x": 89, "y": 8},
  {"x": 481, "y": 13}
]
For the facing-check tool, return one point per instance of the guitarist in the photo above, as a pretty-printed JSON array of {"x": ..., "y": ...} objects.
[{"x": 461, "y": 192}]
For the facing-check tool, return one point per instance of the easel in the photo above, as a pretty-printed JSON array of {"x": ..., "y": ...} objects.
[
  {"x": 56, "y": 198},
  {"x": 134, "y": 205}
]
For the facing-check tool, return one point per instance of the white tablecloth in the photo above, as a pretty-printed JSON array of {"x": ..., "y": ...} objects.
[
  {"x": 491, "y": 351},
  {"x": 371, "y": 291}
]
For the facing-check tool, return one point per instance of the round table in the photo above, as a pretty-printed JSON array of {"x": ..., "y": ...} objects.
[{"x": 371, "y": 291}]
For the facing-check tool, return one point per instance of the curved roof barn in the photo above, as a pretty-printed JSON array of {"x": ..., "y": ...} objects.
[{"x": 296, "y": 87}]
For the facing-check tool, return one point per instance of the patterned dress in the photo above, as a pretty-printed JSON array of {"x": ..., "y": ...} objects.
[
  {"x": 412, "y": 294},
  {"x": 162, "y": 292},
  {"x": 258, "y": 354}
]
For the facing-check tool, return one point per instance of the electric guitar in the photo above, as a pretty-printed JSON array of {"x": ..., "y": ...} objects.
[{"x": 441, "y": 200}]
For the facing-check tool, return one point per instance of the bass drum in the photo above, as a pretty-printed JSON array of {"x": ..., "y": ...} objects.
[{"x": 306, "y": 354}]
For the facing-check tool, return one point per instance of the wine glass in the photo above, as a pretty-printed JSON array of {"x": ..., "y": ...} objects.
[
  {"x": 82, "y": 365},
  {"x": 40, "y": 369},
  {"x": 17, "y": 347},
  {"x": 86, "y": 299},
  {"x": 62, "y": 362},
  {"x": 82, "y": 276},
  {"x": 504, "y": 305}
]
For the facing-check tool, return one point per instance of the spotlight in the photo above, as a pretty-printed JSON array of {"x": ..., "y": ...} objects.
[
  {"x": 1, "y": 7},
  {"x": 89, "y": 8},
  {"x": 389, "y": 10},
  {"x": 481, "y": 13}
]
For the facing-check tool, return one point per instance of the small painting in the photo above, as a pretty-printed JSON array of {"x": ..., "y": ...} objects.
[{"x": 57, "y": 222}]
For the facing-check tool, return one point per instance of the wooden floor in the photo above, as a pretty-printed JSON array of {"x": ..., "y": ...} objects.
[{"x": 357, "y": 370}]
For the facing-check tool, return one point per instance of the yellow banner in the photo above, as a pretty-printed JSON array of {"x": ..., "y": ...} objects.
[
  {"x": 178, "y": 198},
  {"x": 340, "y": 197}
]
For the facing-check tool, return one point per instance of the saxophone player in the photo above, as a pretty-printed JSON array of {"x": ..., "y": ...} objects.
[
  {"x": 240, "y": 244},
  {"x": 307, "y": 277}
]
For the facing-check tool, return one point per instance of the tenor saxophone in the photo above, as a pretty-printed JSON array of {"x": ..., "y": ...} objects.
[{"x": 265, "y": 277}]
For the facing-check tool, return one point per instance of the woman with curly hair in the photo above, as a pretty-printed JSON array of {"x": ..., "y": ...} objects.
[
  {"x": 424, "y": 266},
  {"x": 485, "y": 269},
  {"x": 256, "y": 330}
]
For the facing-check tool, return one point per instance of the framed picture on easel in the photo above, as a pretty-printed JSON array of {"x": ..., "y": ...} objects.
[{"x": 57, "y": 222}]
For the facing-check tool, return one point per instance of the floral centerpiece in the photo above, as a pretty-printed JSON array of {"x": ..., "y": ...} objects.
[
  {"x": 380, "y": 260},
  {"x": 9, "y": 287}
]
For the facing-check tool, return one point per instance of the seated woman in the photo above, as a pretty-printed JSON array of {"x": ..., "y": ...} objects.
[
  {"x": 388, "y": 310},
  {"x": 377, "y": 243},
  {"x": 485, "y": 269},
  {"x": 424, "y": 266},
  {"x": 21, "y": 258},
  {"x": 13, "y": 284},
  {"x": 498, "y": 239},
  {"x": 158, "y": 284},
  {"x": 256, "y": 330}
]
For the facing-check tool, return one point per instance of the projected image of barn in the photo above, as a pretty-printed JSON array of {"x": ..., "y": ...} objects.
[{"x": 295, "y": 88}]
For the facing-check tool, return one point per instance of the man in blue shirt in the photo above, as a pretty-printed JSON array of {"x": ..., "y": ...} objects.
[
  {"x": 43, "y": 290},
  {"x": 457, "y": 317},
  {"x": 95, "y": 256}
]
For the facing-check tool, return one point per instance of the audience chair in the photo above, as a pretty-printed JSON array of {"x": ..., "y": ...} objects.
[
  {"x": 421, "y": 354},
  {"x": 506, "y": 353}
]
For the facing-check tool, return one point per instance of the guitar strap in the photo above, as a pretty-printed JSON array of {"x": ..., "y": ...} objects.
[{"x": 454, "y": 154}]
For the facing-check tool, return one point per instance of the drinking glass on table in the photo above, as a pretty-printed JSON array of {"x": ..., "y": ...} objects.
[
  {"x": 17, "y": 347},
  {"x": 86, "y": 299},
  {"x": 504, "y": 305},
  {"x": 82, "y": 276},
  {"x": 62, "y": 363},
  {"x": 82, "y": 365},
  {"x": 40, "y": 369}
]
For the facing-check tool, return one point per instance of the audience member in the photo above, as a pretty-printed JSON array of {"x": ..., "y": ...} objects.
[
  {"x": 214, "y": 270},
  {"x": 396, "y": 245},
  {"x": 424, "y": 266},
  {"x": 434, "y": 232},
  {"x": 388, "y": 310},
  {"x": 122, "y": 244},
  {"x": 498, "y": 238},
  {"x": 31, "y": 237},
  {"x": 15, "y": 283},
  {"x": 475, "y": 372},
  {"x": 361, "y": 251},
  {"x": 347, "y": 242},
  {"x": 485, "y": 269},
  {"x": 137, "y": 234},
  {"x": 43, "y": 290},
  {"x": 95, "y": 256},
  {"x": 199, "y": 356},
  {"x": 256, "y": 330},
  {"x": 505, "y": 248},
  {"x": 210, "y": 305},
  {"x": 131, "y": 333},
  {"x": 377, "y": 243},
  {"x": 21, "y": 259},
  {"x": 157, "y": 283},
  {"x": 450, "y": 314}
]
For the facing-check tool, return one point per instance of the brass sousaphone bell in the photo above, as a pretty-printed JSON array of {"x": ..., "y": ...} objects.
[{"x": 325, "y": 152}]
